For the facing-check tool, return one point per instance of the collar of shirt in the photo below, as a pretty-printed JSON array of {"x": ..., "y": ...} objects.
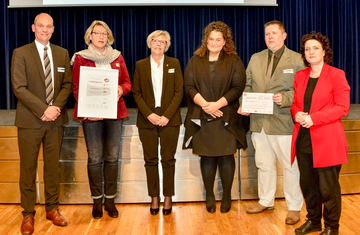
[
  {"x": 277, "y": 53},
  {"x": 154, "y": 65},
  {"x": 40, "y": 47}
]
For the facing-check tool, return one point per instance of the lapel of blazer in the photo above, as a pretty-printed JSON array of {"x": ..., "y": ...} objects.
[
  {"x": 302, "y": 87},
  {"x": 320, "y": 83},
  {"x": 38, "y": 61},
  {"x": 165, "y": 72},
  {"x": 148, "y": 74},
  {"x": 263, "y": 68},
  {"x": 284, "y": 60},
  {"x": 56, "y": 80}
]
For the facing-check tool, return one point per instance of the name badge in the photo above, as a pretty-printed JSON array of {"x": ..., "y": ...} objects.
[
  {"x": 171, "y": 70},
  {"x": 61, "y": 70},
  {"x": 288, "y": 71}
]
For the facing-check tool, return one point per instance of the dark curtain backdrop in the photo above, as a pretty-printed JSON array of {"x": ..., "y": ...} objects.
[{"x": 338, "y": 19}]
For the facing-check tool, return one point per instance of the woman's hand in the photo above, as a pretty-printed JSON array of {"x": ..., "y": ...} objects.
[
  {"x": 93, "y": 119},
  {"x": 307, "y": 123},
  {"x": 299, "y": 116},
  {"x": 120, "y": 92},
  {"x": 154, "y": 118},
  {"x": 212, "y": 108},
  {"x": 304, "y": 119}
]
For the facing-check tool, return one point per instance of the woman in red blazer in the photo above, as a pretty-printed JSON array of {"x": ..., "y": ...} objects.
[
  {"x": 322, "y": 97},
  {"x": 102, "y": 136}
]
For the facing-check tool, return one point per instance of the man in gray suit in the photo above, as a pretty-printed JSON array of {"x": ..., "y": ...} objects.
[
  {"x": 42, "y": 82},
  {"x": 272, "y": 71}
]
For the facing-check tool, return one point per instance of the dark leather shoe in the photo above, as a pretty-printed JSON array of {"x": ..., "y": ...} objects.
[
  {"x": 155, "y": 211},
  {"x": 97, "y": 211},
  {"x": 308, "y": 227},
  {"x": 111, "y": 208},
  {"x": 211, "y": 209},
  {"x": 329, "y": 231},
  {"x": 225, "y": 209},
  {"x": 27, "y": 225},
  {"x": 55, "y": 216}
]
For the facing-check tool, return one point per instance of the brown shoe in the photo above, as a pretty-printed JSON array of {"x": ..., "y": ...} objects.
[
  {"x": 27, "y": 226},
  {"x": 292, "y": 217},
  {"x": 257, "y": 208},
  {"x": 56, "y": 217}
]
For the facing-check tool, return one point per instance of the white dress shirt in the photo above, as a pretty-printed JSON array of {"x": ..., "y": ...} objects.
[
  {"x": 157, "y": 80},
  {"x": 40, "y": 47}
]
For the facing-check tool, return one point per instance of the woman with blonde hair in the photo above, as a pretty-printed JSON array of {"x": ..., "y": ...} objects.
[
  {"x": 158, "y": 92},
  {"x": 102, "y": 136}
]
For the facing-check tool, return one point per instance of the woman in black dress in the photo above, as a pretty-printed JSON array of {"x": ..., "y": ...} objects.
[{"x": 214, "y": 81}]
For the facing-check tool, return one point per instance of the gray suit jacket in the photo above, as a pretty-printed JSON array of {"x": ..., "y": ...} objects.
[
  {"x": 282, "y": 81},
  {"x": 28, "y": 80}
]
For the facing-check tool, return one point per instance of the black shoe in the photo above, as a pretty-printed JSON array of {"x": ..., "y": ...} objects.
[
  {"x": 211, "y": 209},
  {"x": 308, "y": 227},
  {"x": 210, "y": 204},
  {"x": 329, "y": 231},
  {"x": 111, "y": 208},
  {"x": 155, "y": 211},
  {"x": 225, "y": 209},
  {"x": 225, "y": 203},
  {"x": 97, "y": 212},
  {"x": 168, "y": 202},
  {"x": 166, "y": 211}
]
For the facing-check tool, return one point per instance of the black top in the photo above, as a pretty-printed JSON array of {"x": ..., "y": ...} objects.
[{"x": 303, "y": 141}]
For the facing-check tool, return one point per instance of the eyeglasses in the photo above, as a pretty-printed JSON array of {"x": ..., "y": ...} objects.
[
  {"x": 97, "y": 34},
  {"x": 155, "y": 41}
]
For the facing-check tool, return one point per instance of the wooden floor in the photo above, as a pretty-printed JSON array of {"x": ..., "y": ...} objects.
[{"x": 186, "y": 218}]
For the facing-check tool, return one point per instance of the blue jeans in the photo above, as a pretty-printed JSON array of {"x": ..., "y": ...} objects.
[{"x": 103, "y": 145}]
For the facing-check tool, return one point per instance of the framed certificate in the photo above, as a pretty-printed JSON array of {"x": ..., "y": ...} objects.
[
  {"x": 257, "y": 103},
  {"x": 98, "y": 89}
]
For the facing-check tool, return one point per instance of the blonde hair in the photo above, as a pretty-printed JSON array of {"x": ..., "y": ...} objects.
[
  {"x": 158, "y": 33},
  {"x": 110, "y": 36}
]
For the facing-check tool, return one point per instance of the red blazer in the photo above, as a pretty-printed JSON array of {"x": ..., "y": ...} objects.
[
  {"x": 330, "y": 102},
  {"x": 124, "y": 82}
]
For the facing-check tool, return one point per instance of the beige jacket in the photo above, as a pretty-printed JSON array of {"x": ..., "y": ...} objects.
[{"x": 282, "y": 81}]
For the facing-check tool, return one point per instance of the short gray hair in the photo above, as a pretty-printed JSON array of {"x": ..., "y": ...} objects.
[{"x": 158, "y": 33}]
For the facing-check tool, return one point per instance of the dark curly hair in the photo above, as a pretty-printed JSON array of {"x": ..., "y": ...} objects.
[
  {"x": 229, "y": 47},
  {"x": 323, "y": 40}
]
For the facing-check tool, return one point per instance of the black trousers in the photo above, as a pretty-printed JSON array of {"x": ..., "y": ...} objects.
[
  {"x": 29, "y": 141},
  {"x": 320, "y": 186},
  {"x": 168, "y": 137}
]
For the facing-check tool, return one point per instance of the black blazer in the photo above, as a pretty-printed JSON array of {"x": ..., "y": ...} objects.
[{"x": 172, "y": 92}]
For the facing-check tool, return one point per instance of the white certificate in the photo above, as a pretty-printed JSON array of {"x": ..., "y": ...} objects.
[
  {"x": 257, "y": 103},
  {"x": 98, "y": 89}
]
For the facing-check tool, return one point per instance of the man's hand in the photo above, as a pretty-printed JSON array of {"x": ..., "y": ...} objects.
[
  {"x": 241, "y": 113},
  {"x": 277, "y": 98},
  {"x": 51, "y": 114}
]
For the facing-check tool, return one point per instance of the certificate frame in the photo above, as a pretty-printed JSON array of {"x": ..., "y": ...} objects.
[
  {"x": 261, "y": 103},
  {"x": 98, "y": 89}
]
